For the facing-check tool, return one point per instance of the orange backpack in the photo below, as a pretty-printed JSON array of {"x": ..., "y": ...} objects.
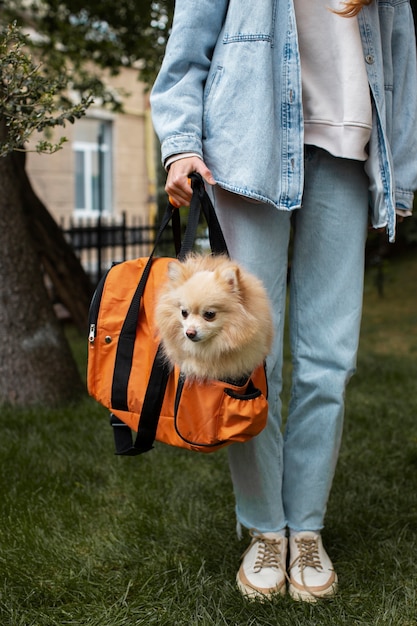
[{"x": 128, "y": 374}]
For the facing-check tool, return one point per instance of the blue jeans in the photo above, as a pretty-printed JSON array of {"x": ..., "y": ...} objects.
[{"x": 285, "y": 479}]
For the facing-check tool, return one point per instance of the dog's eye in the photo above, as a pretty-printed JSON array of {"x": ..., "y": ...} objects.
[
  {"x": 209, "y": 315},
  {"x": 184, "y": 313}
]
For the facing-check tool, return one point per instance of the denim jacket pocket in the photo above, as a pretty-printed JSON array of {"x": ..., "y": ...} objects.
[{"x": 209, "y": 95}]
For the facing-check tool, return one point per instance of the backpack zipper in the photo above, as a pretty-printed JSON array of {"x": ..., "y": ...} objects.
[{"x": 95, "y": 307}]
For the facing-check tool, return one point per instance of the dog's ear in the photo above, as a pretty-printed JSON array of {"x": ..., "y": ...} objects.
[
  {"x": 175, "y": 271},
  {"x": 231, "y": 276}
]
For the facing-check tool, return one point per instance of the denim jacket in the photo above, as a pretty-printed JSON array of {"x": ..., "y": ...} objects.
[{"x": 229, "y": 89}]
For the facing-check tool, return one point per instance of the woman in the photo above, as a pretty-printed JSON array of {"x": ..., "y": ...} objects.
[{"x": 296, "y": 113}]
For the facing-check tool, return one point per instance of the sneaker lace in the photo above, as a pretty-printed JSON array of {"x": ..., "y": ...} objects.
[
  {"x": 269, "y": 552},
  {"x": 308, "y": 557},
  {"x": 309, "y": 554}
]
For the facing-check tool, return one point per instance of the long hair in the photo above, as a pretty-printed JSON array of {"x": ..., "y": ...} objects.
[{"x": 352, "y": 7}]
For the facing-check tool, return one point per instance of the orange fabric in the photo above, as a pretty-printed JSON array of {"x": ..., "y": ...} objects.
[{"x": 208, "y": 418}]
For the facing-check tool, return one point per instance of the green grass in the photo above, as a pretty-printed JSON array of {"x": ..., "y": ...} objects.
[{"x": 91, "y": 539}]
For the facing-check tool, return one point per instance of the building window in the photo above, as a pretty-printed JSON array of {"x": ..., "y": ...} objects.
[{"x": 93, "y": 175}]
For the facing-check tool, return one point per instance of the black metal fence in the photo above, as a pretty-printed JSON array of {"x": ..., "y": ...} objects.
[{"x": 100, "y": 242}]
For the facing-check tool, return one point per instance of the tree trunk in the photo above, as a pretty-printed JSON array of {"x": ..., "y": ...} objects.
[
  {"x": 36, "y": 364},
  {"x": 72, "y": 285}
]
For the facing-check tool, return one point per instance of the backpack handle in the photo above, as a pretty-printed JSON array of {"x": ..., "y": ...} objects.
[{"x": 200, "y": 201}]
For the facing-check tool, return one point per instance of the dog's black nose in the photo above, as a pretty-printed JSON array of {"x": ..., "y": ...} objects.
[{"x": 191, "y": 334}]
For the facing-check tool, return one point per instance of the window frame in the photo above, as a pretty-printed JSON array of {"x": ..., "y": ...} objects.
[{"x": 89, "y": 149}]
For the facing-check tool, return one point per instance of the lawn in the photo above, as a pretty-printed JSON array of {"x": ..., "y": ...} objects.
[{"x": 91, "y": 539}]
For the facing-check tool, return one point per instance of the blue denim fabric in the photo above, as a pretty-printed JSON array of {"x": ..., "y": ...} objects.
[
  {"x": 229, "y": 90},
  {"x": 282, "y": 480}
]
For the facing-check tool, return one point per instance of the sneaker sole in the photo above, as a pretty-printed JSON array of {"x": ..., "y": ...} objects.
[
  {"x": 305, "y": 596},
  {"x": 256, "y": 594}
]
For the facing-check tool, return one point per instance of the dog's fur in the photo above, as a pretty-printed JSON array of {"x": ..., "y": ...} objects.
[{"x": 214, "y": 318}]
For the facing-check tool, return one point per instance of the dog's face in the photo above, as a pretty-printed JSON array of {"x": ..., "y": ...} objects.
[
  {"x": 213, "y": 320},
  {"x": 204, "y": 302},
  {"x": 200, "y": 322}
]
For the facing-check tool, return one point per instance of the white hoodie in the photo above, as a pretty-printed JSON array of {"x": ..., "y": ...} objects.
[{"x": 336, "y": 98}]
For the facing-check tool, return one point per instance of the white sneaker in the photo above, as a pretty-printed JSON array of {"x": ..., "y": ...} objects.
[
  {"x": 263, "y": 569},
  {"x": 311, "y": 572}
]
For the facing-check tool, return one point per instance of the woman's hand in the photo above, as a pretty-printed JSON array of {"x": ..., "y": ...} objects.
[{"x": 178, "y": 183}]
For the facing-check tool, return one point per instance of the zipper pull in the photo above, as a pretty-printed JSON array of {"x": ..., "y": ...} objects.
[{"x": 92, "y": 333}]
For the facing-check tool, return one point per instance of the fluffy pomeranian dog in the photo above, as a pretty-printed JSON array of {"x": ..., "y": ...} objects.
[{"x": 214, "y": 318}]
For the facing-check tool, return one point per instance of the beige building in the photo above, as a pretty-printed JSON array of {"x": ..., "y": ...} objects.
[{"x": 107, "y": 166}]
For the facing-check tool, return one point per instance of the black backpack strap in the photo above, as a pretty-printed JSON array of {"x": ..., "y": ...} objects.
[
  {"x": 125, "y": 347},
  {"x": 149, "y": 417},
  {"x": 123, "y": 442},
  {"x": 176, "y": 227},
  {"x": 152, "y": 403}
]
